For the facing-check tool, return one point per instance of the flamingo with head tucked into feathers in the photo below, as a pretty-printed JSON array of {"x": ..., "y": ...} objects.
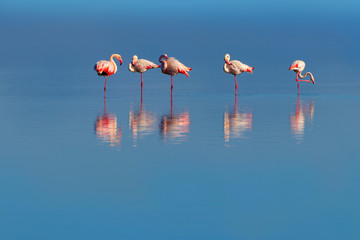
[
  {"x": 107, "y": 68},
  {"x": 298, "y": 66},
  {"x": 235, "y": 67},
  {"x": 172, "y": 66},
  {"x": 141, "y": 66}
]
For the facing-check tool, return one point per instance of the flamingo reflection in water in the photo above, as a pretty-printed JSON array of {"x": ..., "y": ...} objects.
[
  {"x": 175, "y": 126},
  {"x": 237, "y": 124},
  {"x": 304, "y": 111},
  {"x": 141, "y": 123},
  {"x": 107, "y": 129}
]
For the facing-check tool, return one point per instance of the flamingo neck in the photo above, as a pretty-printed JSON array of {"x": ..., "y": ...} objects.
[
  {"x": 308, "y": 73},
  {"x": 226, "y": 68},
  {"x": 163, "y": 66},
  {"x": 113, "y": 62}
]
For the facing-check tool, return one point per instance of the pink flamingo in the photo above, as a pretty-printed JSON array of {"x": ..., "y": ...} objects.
[
  {"x": 298, "y": 66},
  {"x": 235, "y": 67},
  {"x": 107, "y": 68},
  {"x": 172, "y": 66},
  {"x": 141, "y": 66}
]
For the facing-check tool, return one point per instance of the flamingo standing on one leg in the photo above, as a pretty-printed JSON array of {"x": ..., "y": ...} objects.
[
  {"x": 298, "y": 66},
  {"x": 141, "y": 66},
  {"x": 107, "y": 68},
  {"x": 235, "y": 67},
  {"x": 172, "y": 66}
]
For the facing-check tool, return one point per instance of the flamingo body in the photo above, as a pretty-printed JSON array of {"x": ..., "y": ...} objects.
[
  {"x": 107, "y": 68},
  {"x": 141, "y": 65},
  {"x": 172, "y": 66}
]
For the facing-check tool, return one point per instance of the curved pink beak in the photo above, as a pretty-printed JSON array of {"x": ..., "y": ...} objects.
[{"x": 121, "y": 61}]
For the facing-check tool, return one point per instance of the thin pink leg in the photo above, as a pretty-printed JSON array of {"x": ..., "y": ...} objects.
[
  {"x": 298, "y": 88},
  {"x": 235, "y": 110},
  {"x": 141, "y": 80},
  {"x": 105, "y": 87},
  {"x": 141, "y": 108},
  {"x": 297, "y": 81},
  {"x": 235, "y": 86},
  {"x": 171, "y": 83},
  {"x": 171, "y": 104}
]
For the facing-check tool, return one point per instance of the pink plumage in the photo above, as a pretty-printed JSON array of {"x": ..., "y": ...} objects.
[
  {"x": 107, "y": 68},
  {"x": 235, "y": 67},
  {"x": 298, "y": 66},
  {"x": 141, "y": 66},
  {"x": 172, "y": 66}
]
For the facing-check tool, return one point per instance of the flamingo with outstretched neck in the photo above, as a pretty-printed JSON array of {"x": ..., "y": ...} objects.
[
  {"x": 172, "y": 66},
  {"x": 235, "y": 68},
  {"x": 141, "y": 66},
  {"x": 107, "y": 68},
  {"x": 298, "y": 66}
]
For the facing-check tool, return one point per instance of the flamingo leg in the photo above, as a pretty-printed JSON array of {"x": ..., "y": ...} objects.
[
  {"x": 235, "y": 85},
  {"x": 105, "y": 87},
  {"x": 141, "y": 80},
  {"x": 297, "y": 81},
  {"x": 171, "y": 103},
  {"x": 141, "y": 108},
  {"x": 298, "y": 88},
  {"x": 171, "y": 83},
  {"x": 235, "y": 110}
]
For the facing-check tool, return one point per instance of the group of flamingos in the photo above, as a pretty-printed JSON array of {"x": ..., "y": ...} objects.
[{"x": 172, "y": 66}]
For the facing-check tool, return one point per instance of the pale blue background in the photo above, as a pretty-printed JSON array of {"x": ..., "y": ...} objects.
[{"x": 59, "y": 181}]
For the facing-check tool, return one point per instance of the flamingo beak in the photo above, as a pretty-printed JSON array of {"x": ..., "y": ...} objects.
[
  {"x": 121, "y": 61},
  {"x": 227, "y": 62}
]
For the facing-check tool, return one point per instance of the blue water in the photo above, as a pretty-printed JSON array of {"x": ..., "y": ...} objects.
[{"x": 202, "y": 164}]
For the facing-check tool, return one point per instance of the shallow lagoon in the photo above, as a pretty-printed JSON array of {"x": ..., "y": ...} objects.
[{"x": 266, "y": 164}]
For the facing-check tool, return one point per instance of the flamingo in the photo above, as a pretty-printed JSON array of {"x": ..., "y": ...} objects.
[
  {"x": 141, "y": 66},
  {"x": 235, "y": 67},
  {"x": 172, "y": 66},
  {"x": 298, "y": 66},
  {"x": 107, "y": 68}
]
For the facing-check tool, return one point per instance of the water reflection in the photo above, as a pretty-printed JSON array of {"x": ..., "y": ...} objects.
[
  {"x": 141, "y": 123},
  {"x": 107, "y": 129},
  {"x": 236, "y": 124},
  {"x": 304, "y": 112},
  {"x": 175, "y": 126}
]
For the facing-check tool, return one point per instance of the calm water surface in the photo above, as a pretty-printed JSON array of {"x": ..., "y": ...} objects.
[
  {"x": 202, "y": 164},
  {"x": 256, "y": 166}
]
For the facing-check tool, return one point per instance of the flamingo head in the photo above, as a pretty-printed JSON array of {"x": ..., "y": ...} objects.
[
  {"x": 227, "y": 58},
  {"x": 118, "y": 57},
  {"x": 163, "y": 56},
  {"x": 297, "y": 65},
  {"x": 134, "y": 59}
]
